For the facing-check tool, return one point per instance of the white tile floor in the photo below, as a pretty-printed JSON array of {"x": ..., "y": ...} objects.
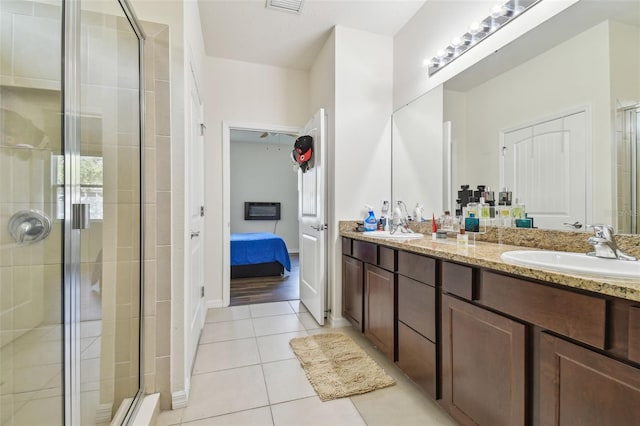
[{"x": 246, "y": 374}]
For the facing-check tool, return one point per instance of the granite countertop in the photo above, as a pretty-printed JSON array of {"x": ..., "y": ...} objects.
[{"x": 487, "y": 255}]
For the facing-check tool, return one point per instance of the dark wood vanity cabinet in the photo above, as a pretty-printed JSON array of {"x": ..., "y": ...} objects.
[
  {"x": 379, "y": 308},
  {"x": 483, "y": 365},
  {"x": 494, "y": 348},
  {"x": 352, "y": 291},
  {"x": 417, "y": 353},
  {"x": 368, "y": 291},
  {"x": 579, "y": 386}
]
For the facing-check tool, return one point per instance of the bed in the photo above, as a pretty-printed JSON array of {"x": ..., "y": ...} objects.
[{"x": 258, "y": 254}]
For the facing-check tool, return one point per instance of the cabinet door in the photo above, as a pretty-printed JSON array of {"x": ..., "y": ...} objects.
[
  {"x": 582, "y": 387},
  {"x": 379, "y": 308},
  {"x": 483, "y": 365},
  {"x": 352, "y": 291}
]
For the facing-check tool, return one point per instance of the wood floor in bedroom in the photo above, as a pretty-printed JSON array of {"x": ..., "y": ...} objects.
[{"x": 246, "y": 291}]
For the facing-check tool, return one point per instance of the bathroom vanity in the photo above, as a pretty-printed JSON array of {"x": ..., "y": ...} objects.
[{"x": 495, "y": 343}]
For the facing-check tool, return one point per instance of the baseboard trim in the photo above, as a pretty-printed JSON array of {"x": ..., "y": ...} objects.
[
  {"x": 179, "y": 399},
  {"x": 215, "y": 303},
  {"x": 338, "y": 321}
]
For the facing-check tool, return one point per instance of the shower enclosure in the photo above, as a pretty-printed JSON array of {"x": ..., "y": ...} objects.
[{"x": 70, "y": 211}]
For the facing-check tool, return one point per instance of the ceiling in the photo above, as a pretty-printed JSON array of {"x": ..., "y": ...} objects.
[{"x": 245, "y": 30}]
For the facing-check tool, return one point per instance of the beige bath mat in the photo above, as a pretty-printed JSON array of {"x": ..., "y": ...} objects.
[{"x": 337, "y": 367}]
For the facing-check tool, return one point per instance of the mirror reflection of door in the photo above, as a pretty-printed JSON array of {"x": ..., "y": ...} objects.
[{"x": 545, "y": 166}]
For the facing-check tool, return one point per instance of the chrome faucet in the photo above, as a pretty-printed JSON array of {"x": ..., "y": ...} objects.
[
  {"x": 399, "y": 219},
  {"x": 604, "y": 244}
]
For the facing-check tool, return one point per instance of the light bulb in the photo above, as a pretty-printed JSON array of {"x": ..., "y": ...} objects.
[
  {"x": 474, "y": 28},
  {"x": 456, "y": 41}
]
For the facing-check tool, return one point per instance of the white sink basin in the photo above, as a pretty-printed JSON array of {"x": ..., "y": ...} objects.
[
  {"x": 578, "y": 263},
  {"x": 398, "y": 235}
]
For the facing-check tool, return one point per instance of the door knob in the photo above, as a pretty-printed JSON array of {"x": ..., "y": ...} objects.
[
  {"x": 195, "y": 234},
  {"x": 29, "y": 226}
]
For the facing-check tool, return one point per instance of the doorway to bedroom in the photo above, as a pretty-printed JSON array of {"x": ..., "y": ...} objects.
[{"x": 263, "y": 221}]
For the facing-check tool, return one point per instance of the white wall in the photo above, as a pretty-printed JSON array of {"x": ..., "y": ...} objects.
[
  {"x": 361, "y": 144},
  {"x": 432, "y": 29},
  {"x": 264, "y": 172},
  {"x": 559, "y": 80},
  {"x": 241, "y": 92}
]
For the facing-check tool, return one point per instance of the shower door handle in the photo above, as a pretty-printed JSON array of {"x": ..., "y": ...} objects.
[
  {"x": 81, "y": 218},
  {"x": 195, "y": 234}
]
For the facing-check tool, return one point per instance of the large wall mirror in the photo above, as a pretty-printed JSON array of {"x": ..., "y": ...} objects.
[{"x": 553, "y": 117}]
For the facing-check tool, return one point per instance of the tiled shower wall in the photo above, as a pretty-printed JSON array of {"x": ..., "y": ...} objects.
[{"x": 157, "y": 214}]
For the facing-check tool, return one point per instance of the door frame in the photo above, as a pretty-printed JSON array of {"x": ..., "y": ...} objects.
[
  {"x": 227, "y": 126},
  {"x": 587, "y": 146}
]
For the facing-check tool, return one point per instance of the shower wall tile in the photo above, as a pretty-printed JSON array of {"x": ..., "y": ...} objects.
[
  {"x": 163, "y": 328},
  {"x": 52, "y": 292},
  {"x": 163, "y": 279},
  {"x": 150, "y": 236},
  {"x": 163, "y": 158},
  {"x": 163, "y": 383},
  {"x": 47, "y": 10},
  {"x": 150, "y": 119},
  {"x": 6, "y": 43},
  {"x": 163, "y": 108},
  {"x": 99, "y": 48},
  {"x": 150, "y": 173},
  {"x": 149, "y": 73},
  {"x": 128, "y": 60},
  {"x": 161, "y": 62},
  {"x": 17, "y": 7},
  {"x": 163, "y": 227},
  {"x": 149, "y": 352},
  {"x": 128, "y": 119},
  {"x": 36, "y": 53}
]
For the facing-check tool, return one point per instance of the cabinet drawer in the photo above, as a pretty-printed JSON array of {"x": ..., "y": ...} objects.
[
  {"x": 418, "y": 267},
  {"x": 367, "y": 252},
  {"x": 458, "y": 280},
  {"x": 346, "y": 246},
  {"x": 417, "y": 358},
  {"x": 574, "y": 315},
  {"x": 387, "y": 258},
  {"x": 417, "y": 306}
]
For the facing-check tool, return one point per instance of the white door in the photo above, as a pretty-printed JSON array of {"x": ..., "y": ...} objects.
[
  {"x": 312, "y": 222},
  {"x": 545, "y": 167},
  {"x": 195, "y": 288}
]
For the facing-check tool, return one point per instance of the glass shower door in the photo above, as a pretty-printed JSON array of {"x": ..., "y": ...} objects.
[
  {"x": 70, "y": 212},
  {"x": 110, "y": 189},
  {"x": 31, "y": 231}
]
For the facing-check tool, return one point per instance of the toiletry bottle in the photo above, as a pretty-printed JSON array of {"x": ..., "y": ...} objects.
[
  {"x": 434, "y": 227},
  {"x": 418, "y": 213},
  {"x": 370, "y": 222},
  {"x": 447, "y": 220},
  {"x": 483, "y": 209},
  {"x": 518, "y": 210},
  {"x": 463, "y": 239}
]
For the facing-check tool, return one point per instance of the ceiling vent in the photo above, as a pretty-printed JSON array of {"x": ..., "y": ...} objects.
[{"x": 291, "y": 6}]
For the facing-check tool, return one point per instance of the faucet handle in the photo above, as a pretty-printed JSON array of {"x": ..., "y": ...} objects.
[{"x": 603, "y": 230}]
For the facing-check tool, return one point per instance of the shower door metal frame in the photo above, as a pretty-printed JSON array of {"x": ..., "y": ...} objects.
[{"x": 70, "y": 67}]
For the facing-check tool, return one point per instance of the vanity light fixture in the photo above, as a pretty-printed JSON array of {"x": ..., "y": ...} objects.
[{"x": 500, "y": 15}]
